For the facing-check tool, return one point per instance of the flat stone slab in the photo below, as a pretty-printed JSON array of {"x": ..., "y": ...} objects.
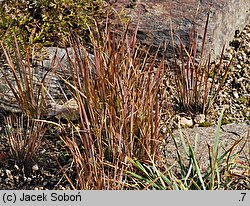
[
  {"x": 226, "y": 16},
  {"x": 229, "y": 134}
]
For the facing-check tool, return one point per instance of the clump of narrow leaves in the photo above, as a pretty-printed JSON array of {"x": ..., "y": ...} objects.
[
  {"x": 24, "y": 138},
  {"x": 119, "y": 110},
  {"x": 224, "y": 171},
  {"x": 194, "y": 75},
  {"x": 115, "y": 123},
  {"x": 25, "y": 81}
]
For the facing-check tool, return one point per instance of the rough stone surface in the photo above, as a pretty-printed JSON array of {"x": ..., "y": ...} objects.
[
  {"x": 60, "y": 55},
  {"x": 156, "y": 15},
  {"x": 229, "y": 134},
  {"x": 49, "y": 62}
]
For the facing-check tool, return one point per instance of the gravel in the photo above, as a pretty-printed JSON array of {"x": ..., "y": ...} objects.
[{"x": 235, "y": 95}]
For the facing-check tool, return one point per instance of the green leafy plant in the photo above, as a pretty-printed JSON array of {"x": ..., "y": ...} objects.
[{"x": 48, "y": 22}]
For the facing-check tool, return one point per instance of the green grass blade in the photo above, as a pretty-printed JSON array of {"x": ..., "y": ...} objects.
[
  {"x": 217, "y": 135},
  {"x": 183, "y": 141},
  {"x": 178, "y": 154},
  {"x": 197, "y": 168},
  {"x": 215, "y": 152}
]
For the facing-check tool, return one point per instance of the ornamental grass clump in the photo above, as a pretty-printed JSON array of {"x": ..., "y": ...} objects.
[
  {"x": 27, "y": 82},
  {"x": 194, "y": 75},
  {"x": 119, "y": 109},
  {"x": 24, "y": 137}
]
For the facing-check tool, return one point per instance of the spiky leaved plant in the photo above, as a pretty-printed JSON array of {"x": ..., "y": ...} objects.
[
  {"x": 194, "y": 75},
  {"x": 119, "y": 108},
  {"x": 24, "y": 137},
  {"x": 224, "y": 170},
  {"x": 27, "y": 82}
]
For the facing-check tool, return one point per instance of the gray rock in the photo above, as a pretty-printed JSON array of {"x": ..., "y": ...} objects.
[
  {"x": 229, "y": 134},
  {"x": 47, "y": 54},
  {"x": 156, "y": 17}
]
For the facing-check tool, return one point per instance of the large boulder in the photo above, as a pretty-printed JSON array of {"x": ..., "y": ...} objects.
[{"x": 156, "y": 16}]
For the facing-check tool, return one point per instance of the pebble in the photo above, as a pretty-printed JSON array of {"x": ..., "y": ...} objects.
[
  {"x": 35, "y": 167},
  {"x": 8, "y": 173},
  {"x": 236, "y": 95},
  {"x": 186, "y": 121},
  {"x": 16, "y": 167},
  {"x": 228, "y": 56}
]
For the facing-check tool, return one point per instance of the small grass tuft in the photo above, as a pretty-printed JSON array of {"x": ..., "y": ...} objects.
[
  {"x": 26, "y": 86},
  {"x": 192, "y": 73},
  {"x": 24, "y": 138}
]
